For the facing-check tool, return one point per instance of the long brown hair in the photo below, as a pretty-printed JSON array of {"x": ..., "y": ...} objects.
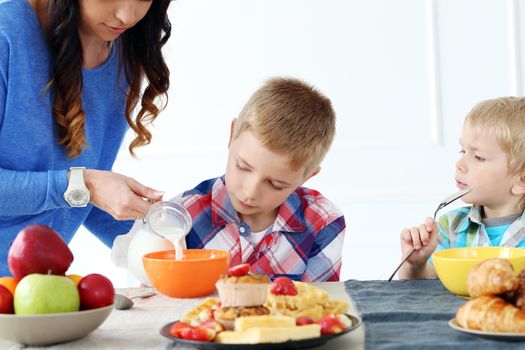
[{"x": 142, "y": 57}]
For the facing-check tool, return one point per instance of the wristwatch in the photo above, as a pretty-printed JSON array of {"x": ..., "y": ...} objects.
[{"x": 77, "y": 194}]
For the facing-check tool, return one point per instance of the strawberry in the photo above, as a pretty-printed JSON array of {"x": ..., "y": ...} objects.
[
  {"x": 301, "y": 321},
  {"x": 205, "y": 315},
  {"x": 186, "y": 333},
  {"x": 331, "y": 325},
  {"x": 198, "y": 333},
  {"x": 344, "y": 320},
  {"x": 177, "y": 328},
  {"x": 239, "y": 270},
  {"x": 212, "y": 324},
  {"x": 213, "y": 308},
  {"x": 283, "y": 286}
]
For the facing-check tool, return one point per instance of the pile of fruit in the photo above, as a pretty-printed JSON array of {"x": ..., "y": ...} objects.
[{"x": 38, "y": 260}]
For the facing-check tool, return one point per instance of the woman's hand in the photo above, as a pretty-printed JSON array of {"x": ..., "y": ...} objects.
[
  {"x": 423, "y": 239},
  {"x": 120, "y": 196}
]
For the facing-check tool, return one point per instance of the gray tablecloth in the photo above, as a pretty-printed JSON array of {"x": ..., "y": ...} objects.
[{"x": 413, "y": 315}]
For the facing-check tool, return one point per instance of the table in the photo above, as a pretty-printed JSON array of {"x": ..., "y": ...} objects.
[
  {"x": 414, "y": 315},
  {"x": 396, "y": 315},
  {"x": 138, "y": 328}
]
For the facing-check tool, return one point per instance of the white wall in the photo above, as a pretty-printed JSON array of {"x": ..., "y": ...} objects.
[{"x": 401, "y": 74}]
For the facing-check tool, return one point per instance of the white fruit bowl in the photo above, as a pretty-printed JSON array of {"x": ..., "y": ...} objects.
[{"x": 47, "y": 329}]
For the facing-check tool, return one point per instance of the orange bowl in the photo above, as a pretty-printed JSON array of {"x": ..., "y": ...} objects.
[{"x": 193, "y": 276}]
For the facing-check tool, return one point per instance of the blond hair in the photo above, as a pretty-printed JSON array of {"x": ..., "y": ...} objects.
[
  {"x": 505, "y": 117},
  {"x": 290, "y": 117}
]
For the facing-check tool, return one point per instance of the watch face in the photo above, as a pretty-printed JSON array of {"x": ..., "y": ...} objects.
[{"x": 77, "y": 197}]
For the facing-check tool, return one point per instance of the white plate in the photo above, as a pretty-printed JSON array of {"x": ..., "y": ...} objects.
[
  {"x": 47, "y": 329},
  {"x": 486, "y": 334}
]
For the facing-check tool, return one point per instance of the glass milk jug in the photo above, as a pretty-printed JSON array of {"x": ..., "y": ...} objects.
[{"x": 164, "y": 227}]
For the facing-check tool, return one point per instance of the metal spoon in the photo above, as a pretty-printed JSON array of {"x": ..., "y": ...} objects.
[
  {"x": 123, "y": 302},
  {"x": 441, "y": 205}
]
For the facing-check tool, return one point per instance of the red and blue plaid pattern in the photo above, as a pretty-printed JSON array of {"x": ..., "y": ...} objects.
[{"x": 304, "y": 243}]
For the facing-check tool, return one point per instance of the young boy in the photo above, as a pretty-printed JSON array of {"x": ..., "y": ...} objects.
[
  {"x": 492, "y": 164},
  {"x": 258, "y": 210}
]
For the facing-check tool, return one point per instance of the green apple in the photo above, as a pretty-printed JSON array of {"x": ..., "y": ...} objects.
[{"x": 46, "y": 294}]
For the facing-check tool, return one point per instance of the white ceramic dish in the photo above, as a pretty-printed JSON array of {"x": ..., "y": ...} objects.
[
  {"x": 47, "y": 329},
  {"x": 488, "y": 335}
]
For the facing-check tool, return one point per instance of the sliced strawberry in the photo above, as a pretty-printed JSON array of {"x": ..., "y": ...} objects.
[
  {"x": 186, "y": 333},
  {"x": 203, "y": 334},
  {"x": 205, "y": 315},
  {"x": 177, "y": 328},
  {"x": 331, "y": 325},
  {"x": 215, "y": 325},
  {"x": 283, "y": 286},
  {"x": 303, "y": 320},
  {"x": 239, "y": 270},
  {"x": 344, "y": 320},
  {"x": 213, "y": 308}
]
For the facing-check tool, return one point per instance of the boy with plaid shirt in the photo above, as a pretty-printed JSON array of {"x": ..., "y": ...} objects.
[{"x": 258, "y": 211}]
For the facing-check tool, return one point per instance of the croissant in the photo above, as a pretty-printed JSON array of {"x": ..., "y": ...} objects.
[
  {"x": 491, "y": 313},
  {"x": 492, "y": 277}
]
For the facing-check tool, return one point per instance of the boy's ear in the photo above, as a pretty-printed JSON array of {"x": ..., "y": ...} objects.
[
  {"x": 313, "y": 173},
  {"x": 519, "y": 187},
  {"x": 232, "y": 131}
]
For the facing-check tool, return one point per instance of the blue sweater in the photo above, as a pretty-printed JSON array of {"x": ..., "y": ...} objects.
[{"x": 33, "y": 167}]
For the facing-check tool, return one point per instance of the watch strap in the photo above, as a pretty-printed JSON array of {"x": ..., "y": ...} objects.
[{"x": 76, "y": 177}]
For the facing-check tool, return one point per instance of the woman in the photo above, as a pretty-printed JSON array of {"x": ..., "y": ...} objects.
[{"x": 71, "y": 74}]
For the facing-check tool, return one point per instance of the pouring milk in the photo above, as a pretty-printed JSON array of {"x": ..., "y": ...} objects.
[
  {"x": 175, "y": 235},
  {"x": 165, "y": 227}
]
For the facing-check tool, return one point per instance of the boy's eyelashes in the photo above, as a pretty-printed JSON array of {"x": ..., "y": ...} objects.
[
  {"x": 481, "y": 159},
  {"x": 477, "y": 157},
  {"x": 241, "y": 168},
  {"x": 275, "y": 187}
]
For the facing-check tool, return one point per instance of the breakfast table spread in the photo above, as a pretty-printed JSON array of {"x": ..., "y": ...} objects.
[
  {"x": 396, "y": 315},
  {"x": 139, "y": 327}
]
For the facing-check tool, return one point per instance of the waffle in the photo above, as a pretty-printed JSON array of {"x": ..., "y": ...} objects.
[
  {"x": 309, "y": 301},
  {"x": 195, "y": 314},
  {"x": 335, "y": 307}
]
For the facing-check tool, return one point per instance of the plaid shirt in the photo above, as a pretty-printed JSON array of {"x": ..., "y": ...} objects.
[
  {"x": 463, "y": 228},
  {"x": 304, "y": 243}
]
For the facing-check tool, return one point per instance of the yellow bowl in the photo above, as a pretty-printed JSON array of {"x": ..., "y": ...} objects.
[
  {"x": 453, "y": 265},
  {"x": 193, "y": 276}
]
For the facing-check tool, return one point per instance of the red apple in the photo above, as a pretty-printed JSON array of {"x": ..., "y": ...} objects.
[
  {"x": 38, "y": 249},
  {"x": 6, "y": 301},
  {"x": 95, "y": 291}
]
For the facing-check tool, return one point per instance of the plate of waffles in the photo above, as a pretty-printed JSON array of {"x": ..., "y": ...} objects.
[
  {"x": 286, "y": 345},
  {"x": 256, "y": 313}
]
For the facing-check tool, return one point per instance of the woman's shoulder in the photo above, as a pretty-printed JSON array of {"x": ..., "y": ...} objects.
[{"x": 16, "y": 16}]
